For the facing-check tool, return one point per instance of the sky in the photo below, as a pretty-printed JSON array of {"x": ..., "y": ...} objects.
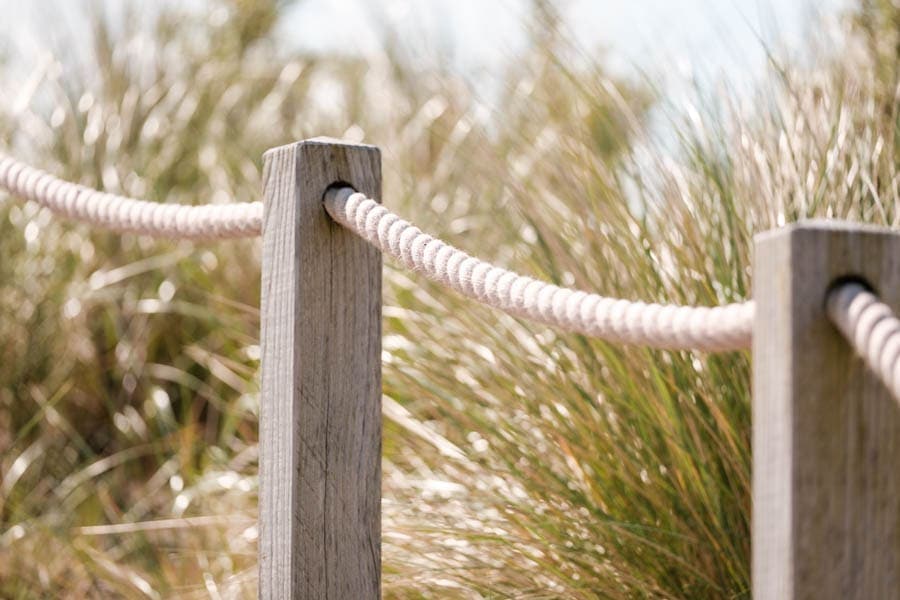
[
  {"x": 710, "y": 38},
  {"x": 718, "y": 37}
]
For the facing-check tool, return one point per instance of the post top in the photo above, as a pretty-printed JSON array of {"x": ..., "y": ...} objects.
[
  {"x": 822, "y": 226},
  {"x": 321, "y": 140}
]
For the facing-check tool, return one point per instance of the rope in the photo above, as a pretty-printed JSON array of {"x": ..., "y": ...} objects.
[
  {"x": 212, "y": 221},
  {"x": 868, "y": 324},
  {"x": 718, "y": 328},
  {"x": 661, "y": 326},
  {"x": 871, "y": 329}
]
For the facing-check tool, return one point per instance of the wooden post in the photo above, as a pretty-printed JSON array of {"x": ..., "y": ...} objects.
[
  {"x": 320, "y": 421},
  {"x": 826, "y": 433}
]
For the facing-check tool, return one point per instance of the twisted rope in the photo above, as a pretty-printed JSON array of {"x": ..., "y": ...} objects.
[
  {"x": 867, "y": 323},
  {"x": 717, "y": 328},
  {"x": 871, "y": 329},
  {"x": 661, "y": 326},
  {"x": 211, "y": 221}
]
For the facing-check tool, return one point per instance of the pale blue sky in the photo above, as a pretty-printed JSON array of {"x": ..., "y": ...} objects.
[{"x": 712, "y": 37}]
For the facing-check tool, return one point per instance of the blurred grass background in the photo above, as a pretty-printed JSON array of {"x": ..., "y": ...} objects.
[{"x": 519, "y": 462}]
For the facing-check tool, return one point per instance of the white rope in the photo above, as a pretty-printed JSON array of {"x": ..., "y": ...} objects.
[
  {"x": 211, "y": 221},
  {"x": 661, "y": 326},
  {"x": 868, "y": 323},
  {"x": 718, "y": 328},
  {"x": 871, "y": 329}
]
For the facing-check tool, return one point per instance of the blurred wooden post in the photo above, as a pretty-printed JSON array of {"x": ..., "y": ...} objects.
[
  {"x": 320, "y": 421},
  {"x": 826, "y": 433}
]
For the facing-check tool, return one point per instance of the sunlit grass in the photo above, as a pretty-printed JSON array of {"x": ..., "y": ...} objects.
[{"x": 519, "y": 462}]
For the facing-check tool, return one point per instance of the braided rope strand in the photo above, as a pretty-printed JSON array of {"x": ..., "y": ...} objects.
[
  {"x": 712, "y": 329},
  {"x": 868, "y": 324},
  {"x": 871, "y": 328},
  {"x": 211, "y": 221}
]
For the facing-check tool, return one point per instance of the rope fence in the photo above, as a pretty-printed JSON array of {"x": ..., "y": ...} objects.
[
  {"x": 712, "y": 329},
  {"x": 660, "y": 326},
  {"x": 867, "y": 323},
  {"x": 825, "y": 431}
]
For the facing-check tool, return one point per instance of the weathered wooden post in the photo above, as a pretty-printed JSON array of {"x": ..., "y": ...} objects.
[
  {"x": 826, "y": 433},
  {"x": 320, "y": 421}
]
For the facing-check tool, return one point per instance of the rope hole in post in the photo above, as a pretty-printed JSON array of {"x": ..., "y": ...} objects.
[
  {"x": 333, "y": 188},
  {"x": 841, "y": 281}
]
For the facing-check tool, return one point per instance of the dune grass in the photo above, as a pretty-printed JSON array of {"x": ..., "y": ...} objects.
[{"x": 519, "y": 461}]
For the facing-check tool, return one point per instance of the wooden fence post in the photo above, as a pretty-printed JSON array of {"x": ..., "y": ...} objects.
[
  {"x": 826, "y": 433},
  {"x": 320, "y": 421}
]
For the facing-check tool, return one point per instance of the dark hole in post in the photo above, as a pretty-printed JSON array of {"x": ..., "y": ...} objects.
[{"x": 843, "y": 280}]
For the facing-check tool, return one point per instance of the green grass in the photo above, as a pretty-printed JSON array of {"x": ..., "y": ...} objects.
[{"x": 519, "y": 461}]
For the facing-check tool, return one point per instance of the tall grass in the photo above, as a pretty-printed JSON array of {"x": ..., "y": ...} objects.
[{"x": 519, "y": 462}]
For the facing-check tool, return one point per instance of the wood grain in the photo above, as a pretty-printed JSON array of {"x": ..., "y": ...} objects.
[
  {"x": 320, "y": 421},
  {"x": 826, "y": 433}
]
